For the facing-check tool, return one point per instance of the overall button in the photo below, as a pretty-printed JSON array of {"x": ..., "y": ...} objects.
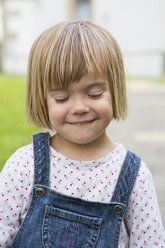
[
  {"x": 118, "y": 209},
  {"x": 39, "y": 192}
]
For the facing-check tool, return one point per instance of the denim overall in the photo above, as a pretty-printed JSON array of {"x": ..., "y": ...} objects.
[{"x": 55, "y": 220}]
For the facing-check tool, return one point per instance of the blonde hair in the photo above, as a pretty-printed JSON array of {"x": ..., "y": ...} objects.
[{"x": 65, "y": 53}]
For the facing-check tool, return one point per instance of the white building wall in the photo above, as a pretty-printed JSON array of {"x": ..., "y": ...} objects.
[
  {"x": 138, "y": 26},
  {"x": 48, "y": 13},
  {"x": 1, "y": 22},
  {"x": 25, "y": 20},
  {"x": 19, "y": 30}
]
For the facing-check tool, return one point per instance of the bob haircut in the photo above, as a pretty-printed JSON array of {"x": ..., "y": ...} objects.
[{"x": 66, "y": 52}]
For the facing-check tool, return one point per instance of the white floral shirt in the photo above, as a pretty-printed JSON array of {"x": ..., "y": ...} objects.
[{"x": 89, "y": 180}]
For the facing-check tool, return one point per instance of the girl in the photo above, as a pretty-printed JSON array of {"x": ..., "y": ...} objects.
[{"x": 77, "y": 189}]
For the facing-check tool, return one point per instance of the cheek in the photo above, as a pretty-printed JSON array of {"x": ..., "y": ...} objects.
[
  {"x": 57, "y": 114},
  {"x": 105, "y": 109},
  {"x": 107, "y": 113}
]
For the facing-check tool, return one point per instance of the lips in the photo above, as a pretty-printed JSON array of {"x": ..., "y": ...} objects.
[{"x": 81, "y": 123}]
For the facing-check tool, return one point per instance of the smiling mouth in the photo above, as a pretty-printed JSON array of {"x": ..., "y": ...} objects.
[{"x": 81, "y": 123}]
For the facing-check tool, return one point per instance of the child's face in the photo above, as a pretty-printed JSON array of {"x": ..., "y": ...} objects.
[{"x": 81, "y": 112}]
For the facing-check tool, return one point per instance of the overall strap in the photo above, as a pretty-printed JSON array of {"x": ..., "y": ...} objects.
[
  {"x": 41, "y": 146},
  {"x": 126, "y": 178}
]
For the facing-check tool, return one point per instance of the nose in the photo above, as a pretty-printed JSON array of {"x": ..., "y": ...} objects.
[{"x": 79, "y": 106}]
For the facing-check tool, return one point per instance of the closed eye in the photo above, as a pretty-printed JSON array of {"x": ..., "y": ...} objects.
[
  {"x": 95, "y": 96},
  {"x": 61, "y": 100}
]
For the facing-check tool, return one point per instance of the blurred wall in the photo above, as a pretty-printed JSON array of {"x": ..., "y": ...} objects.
[
  {"x": 24, "y": 21},
  {"x": 138, "y": 25}
]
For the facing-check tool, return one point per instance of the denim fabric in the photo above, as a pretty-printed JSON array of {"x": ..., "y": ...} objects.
[{"x": 55, "y": 220}]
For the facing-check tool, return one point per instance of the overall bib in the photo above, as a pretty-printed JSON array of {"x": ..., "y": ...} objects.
[{"x": 55, "y": 220}]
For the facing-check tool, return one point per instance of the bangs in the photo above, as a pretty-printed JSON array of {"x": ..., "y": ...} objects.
[{"x": 72, "y": 51}]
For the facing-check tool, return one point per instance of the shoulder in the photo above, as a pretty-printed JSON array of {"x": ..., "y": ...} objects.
[
  {"x": 119, "y": 152},
  {"x": 143, "y": 169},
  {"x": 21, "y": 159},
  {"x": 144, "y": 174},
  {"x": 23, "y": 153}
]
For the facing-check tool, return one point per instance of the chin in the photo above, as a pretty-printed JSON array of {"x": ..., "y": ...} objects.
[{"x": 83, "y": 141}]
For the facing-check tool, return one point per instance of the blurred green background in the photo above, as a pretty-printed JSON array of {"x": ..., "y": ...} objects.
[{"x": 14, "y": 129}]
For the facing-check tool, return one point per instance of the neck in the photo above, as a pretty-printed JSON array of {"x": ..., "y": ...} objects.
[{"x": 91, "y": 151}]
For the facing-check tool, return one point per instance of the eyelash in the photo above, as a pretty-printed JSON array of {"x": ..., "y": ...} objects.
[
  {"x": 61, "y": 100},
  {"x": 96, "y": 96},
  {"x": 91, "y": 96}
]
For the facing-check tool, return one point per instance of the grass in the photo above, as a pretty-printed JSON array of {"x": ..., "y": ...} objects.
[
  {"x": 161, "y": 80},
  {"x": 14, "y": 130}
]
